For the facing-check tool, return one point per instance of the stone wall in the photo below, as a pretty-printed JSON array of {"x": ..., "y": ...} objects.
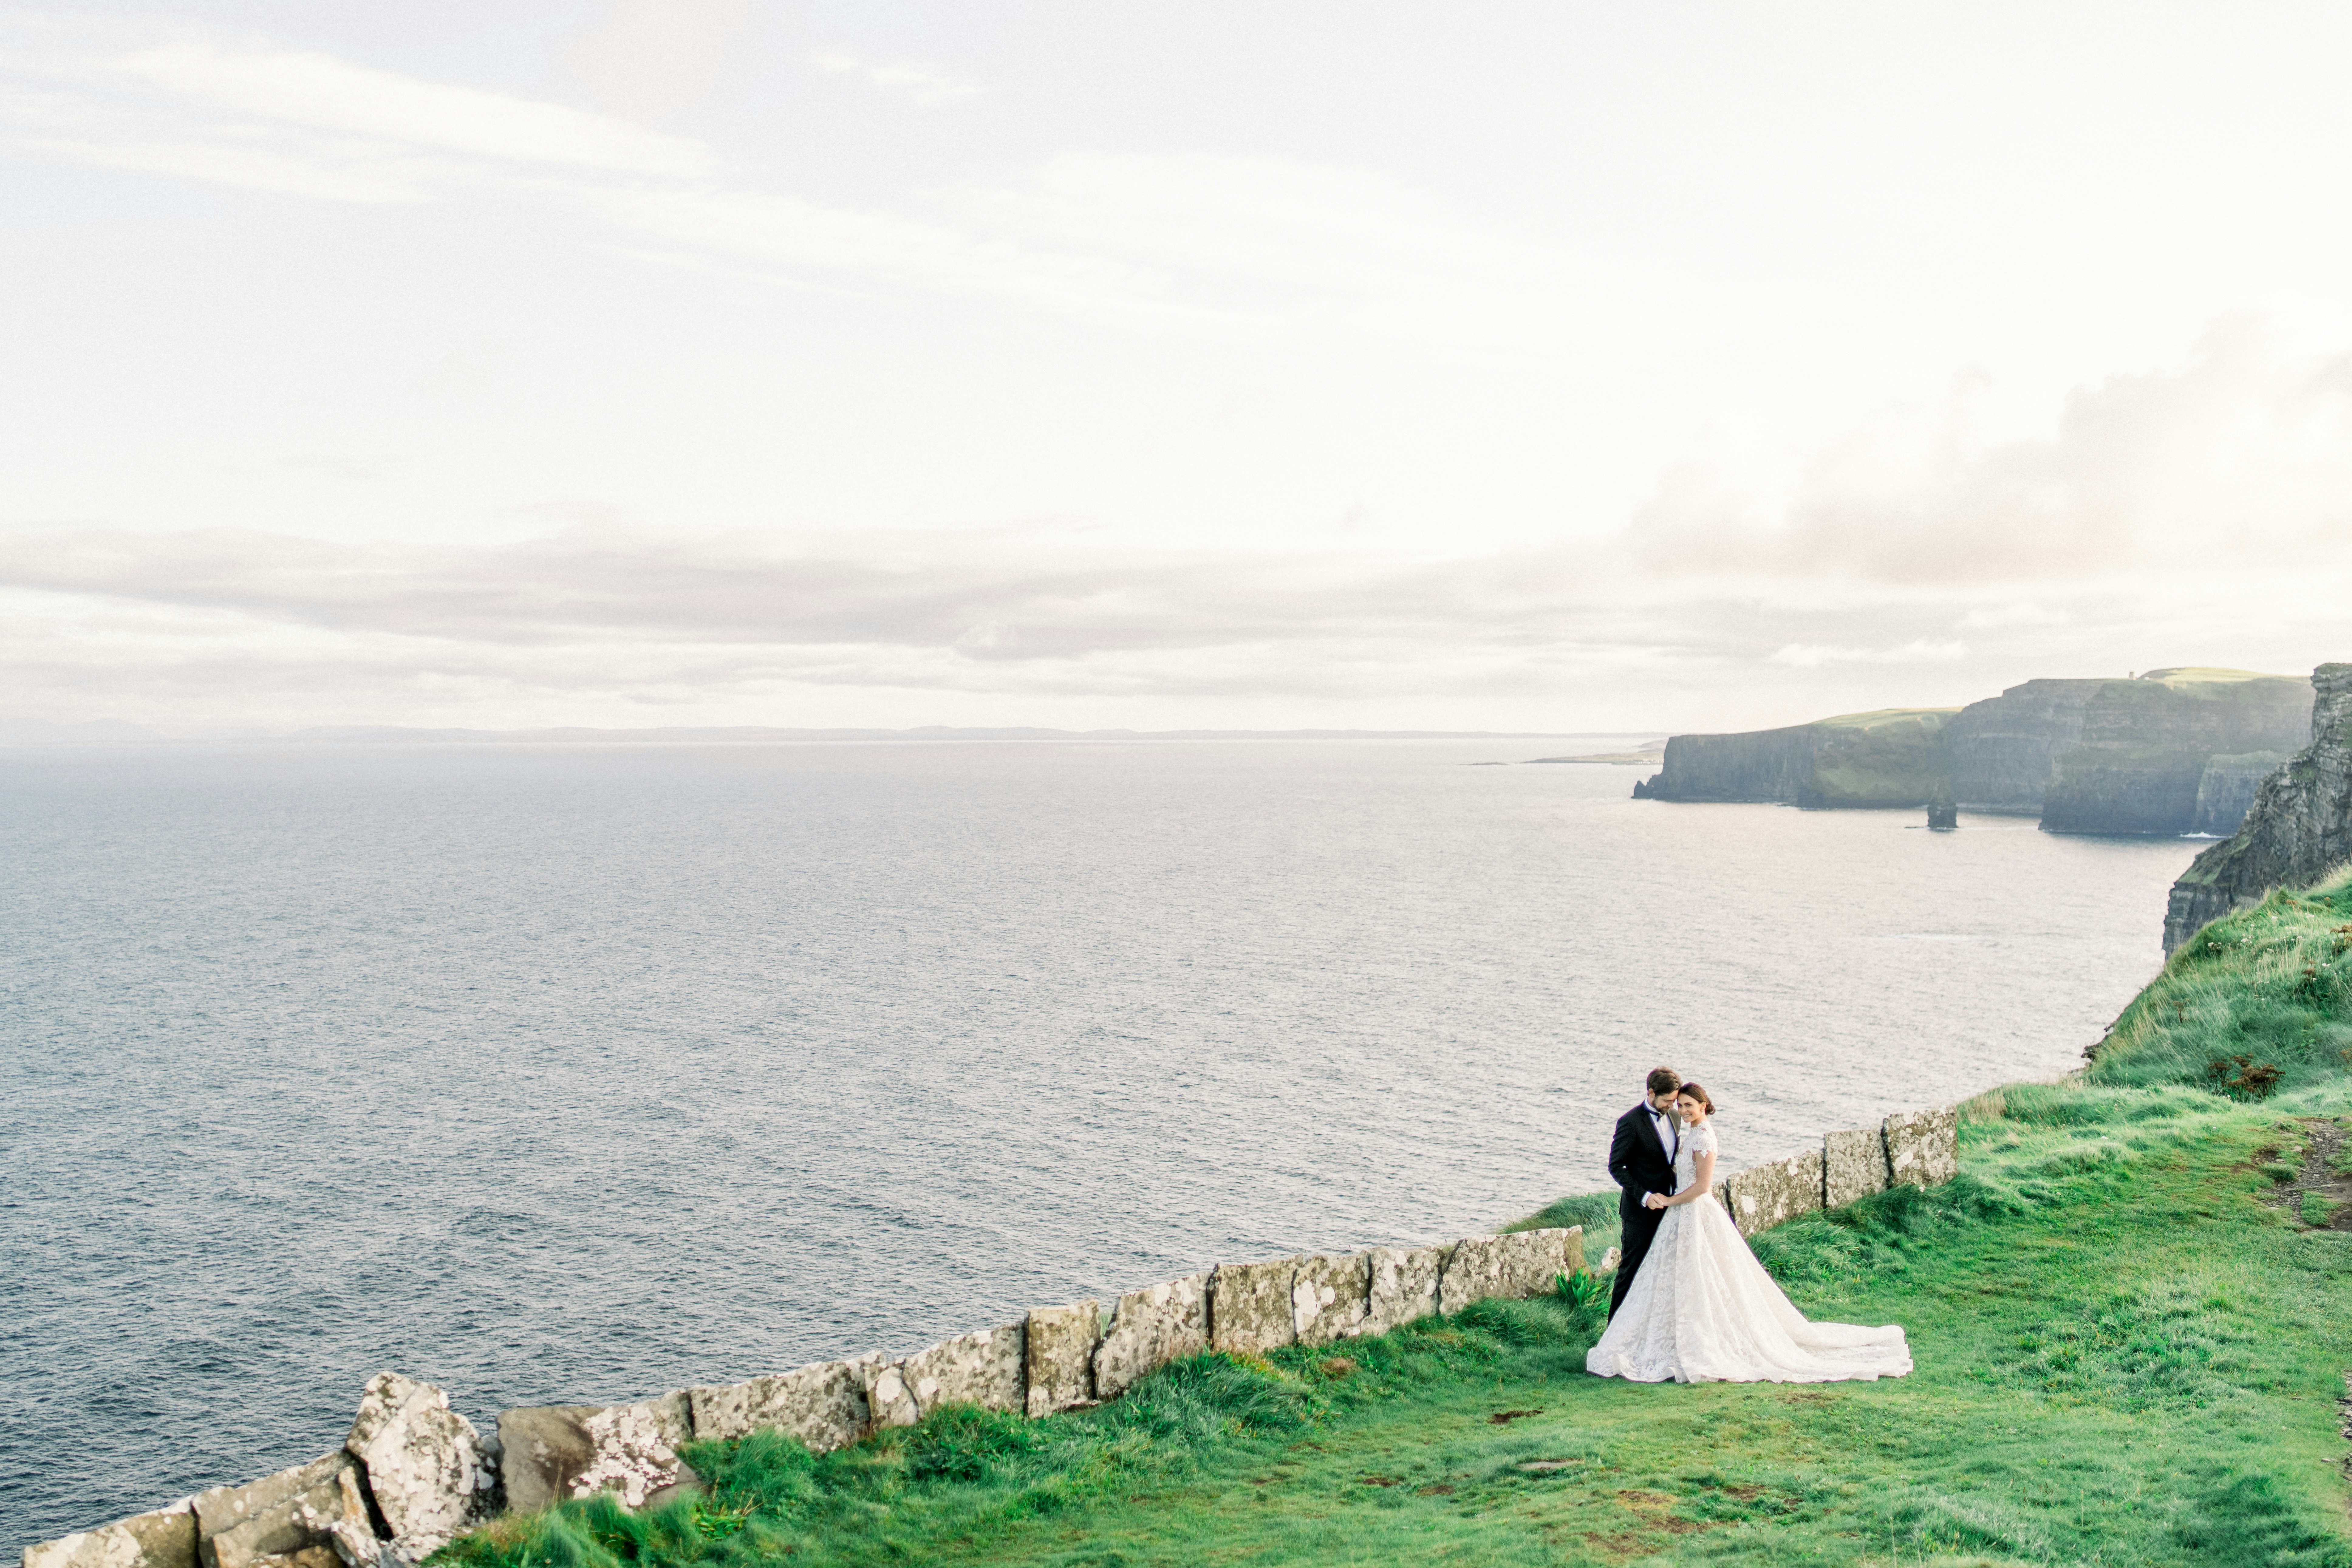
[
  {"x": 1910, "y": 1148},
  {"x": 413, "y": 1474}
]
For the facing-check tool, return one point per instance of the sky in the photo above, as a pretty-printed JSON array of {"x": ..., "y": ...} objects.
[{"x": 1517, "y": 366}]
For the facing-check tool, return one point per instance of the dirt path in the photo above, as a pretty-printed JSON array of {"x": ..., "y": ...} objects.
[{"x": 2320, "y": 1178}]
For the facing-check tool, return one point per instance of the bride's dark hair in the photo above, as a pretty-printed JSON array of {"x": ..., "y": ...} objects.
[{"x": 1697, "y": 1092}]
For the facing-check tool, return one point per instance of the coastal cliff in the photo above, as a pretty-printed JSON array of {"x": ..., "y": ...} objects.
[
  {"x": 2004, "y": 749},
  {"x": 2146, "y": 746},
  {"x": 2169, "y": 751},
  {"x": 2298, "y": 829},
  {"x": 1890, "y": 758}
]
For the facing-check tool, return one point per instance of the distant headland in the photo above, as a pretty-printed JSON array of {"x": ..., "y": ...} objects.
[{"x": 2168, "y": 751}]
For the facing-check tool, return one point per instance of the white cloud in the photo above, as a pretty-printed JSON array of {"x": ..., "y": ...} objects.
[
  {"x": 364, "y": 179},
  {"x": 2239, "y": 458},
  {"x": 301, "y": 87},
  {"x": 919, "y": 82},
  {"x": 1222, "y": 246},
  {"x": 1812, "y": 656}
]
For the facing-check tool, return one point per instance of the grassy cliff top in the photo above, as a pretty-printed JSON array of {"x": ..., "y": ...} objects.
[
  {"x": 2187, "y": 675},
  {"x": 2272, "y": 985},
  {"x": 2126, "y": 1312},
  {"x": 1889, "y": 718}
]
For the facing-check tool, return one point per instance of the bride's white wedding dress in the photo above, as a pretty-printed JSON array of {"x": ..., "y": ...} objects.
[{"x": 1703, "y": 1309}]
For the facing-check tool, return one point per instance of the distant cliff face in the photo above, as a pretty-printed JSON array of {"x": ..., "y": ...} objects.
[
  {"x": 2172, "y": 751},
  {"x": 2145, "y": 745},
  {"x": 2005, "y": 747},
  {"x": 2226, "y": 793},
  {"x": 1760, "y": 765},
  {"x": 2299, "y": 829},
  {"x": 1891, "y": 758}
]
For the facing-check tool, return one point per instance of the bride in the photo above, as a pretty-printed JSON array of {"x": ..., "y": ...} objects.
[{"x": 1702, "y": 1309}]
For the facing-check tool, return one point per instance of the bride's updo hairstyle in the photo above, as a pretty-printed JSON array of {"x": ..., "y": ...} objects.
[{"x": 1698, "y": 1092}]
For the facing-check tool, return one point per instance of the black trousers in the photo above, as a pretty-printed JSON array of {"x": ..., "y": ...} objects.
[{"x": 1640, "y": 1227}]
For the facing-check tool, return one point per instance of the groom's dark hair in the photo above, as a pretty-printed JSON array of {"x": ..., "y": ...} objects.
[{"x": 1664, "y": 1080}]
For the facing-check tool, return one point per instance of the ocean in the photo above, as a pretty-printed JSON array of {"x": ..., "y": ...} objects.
[{"x": 566, "y": 1074}]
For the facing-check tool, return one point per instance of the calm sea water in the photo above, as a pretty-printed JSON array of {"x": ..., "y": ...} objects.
[{"x": 559, "y": 1075}]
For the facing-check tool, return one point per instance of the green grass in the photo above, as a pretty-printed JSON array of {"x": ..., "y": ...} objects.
[
  {"x": 2129, "y": 1351},
  {"x": 2268, "y": 987},
  {"x": 1898, "y": 719},
  {"x": 2124, "y": 1356}
]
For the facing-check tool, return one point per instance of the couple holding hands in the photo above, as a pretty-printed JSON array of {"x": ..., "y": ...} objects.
[{"x": 1691, "y": 1302}]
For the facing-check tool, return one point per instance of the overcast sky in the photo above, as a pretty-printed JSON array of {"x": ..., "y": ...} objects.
[{"x": 1526, "y": 366}]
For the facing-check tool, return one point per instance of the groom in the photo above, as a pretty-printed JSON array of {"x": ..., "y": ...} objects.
[{"x": 1641, "y": 1161}]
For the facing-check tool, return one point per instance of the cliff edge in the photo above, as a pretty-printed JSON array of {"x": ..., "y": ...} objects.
[
  {"x": 2298, "y": 829},
  {"x": 2146, "y": 747},
  {"x": 2168, "y": 751},
  {"x": 1893, "y": 757}
]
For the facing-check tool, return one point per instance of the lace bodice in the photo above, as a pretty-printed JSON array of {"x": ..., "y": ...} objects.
[{"x": 1694, "y": 1142}]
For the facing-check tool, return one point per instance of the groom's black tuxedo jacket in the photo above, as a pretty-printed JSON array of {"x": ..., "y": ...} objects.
[{"x": 1638, "y": 1162}]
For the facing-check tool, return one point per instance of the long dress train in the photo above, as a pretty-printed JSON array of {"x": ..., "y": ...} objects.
[{"x": 1703, "y": 1309}]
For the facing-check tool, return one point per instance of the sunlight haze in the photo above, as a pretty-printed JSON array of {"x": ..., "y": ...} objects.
[{"x": 1524, "y": 367}]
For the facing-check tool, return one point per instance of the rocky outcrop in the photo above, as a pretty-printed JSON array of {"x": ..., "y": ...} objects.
[
  {"x": 163, "y": 1539},
  {"x": 2226, "y": 791},
  {"x": 1148, "y": 1328},
  {"x": 2146, "y": 744},
  {"x": 426, "y": 1464},
  {"x": 2298, "y": 829},
  {"x": 554, "y": 1452},
  {"x": 312, "y": 1516},
  {"x": 1893, "y": 757}
]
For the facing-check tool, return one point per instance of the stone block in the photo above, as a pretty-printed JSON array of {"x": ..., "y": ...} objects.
[
  {"x": 1513, "y": 1267},
  {"x": 823, "y": 1404},
  {"x": 425, "y": 1464},
  {"x": 1923, "y": 1147},
  {"x": 1401, "y": 1284},
  {"x": 1762, "y": 1196},
  {"x": 981, "y": 1368},
  {"x": 1151, "y": 1328},
  {"x": 284, "y": 1516},
  {"x": 163, "y": 1539},
  {"x": 888, "y": 1400},
  {"x": 1250, "y": 1308},
  {"x": 554, "y": 1452},
  {"x": 1853, "y": 1165},
  {"x": 1062, "y": 1341},
  {"x": 1329, "y": 1296}
]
